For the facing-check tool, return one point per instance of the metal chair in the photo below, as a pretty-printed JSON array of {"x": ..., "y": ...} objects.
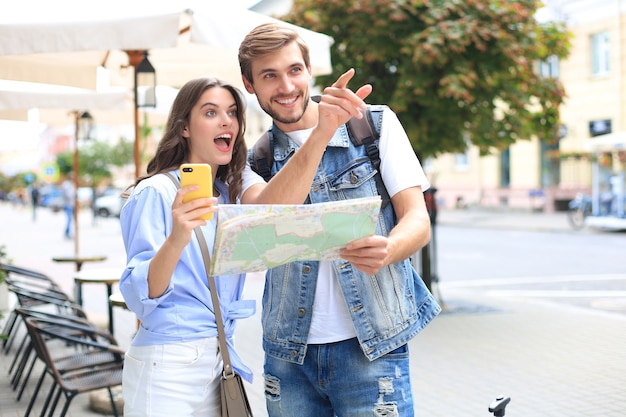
[
  {"x": 11, "y": 270},
  {"x": 32, "y": 281},
  {"x": 44, "y": 302},
  {"x": 47, "y": 338},
  {"x": 66, "y": 363}
]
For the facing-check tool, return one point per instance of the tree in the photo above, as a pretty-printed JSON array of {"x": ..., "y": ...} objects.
[
  {"x": 450, "y": 69},
  {"x": 96, "y": 158},
  {"x": 7, "y": 184}
]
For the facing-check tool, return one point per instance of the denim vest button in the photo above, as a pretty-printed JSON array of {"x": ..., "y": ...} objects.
[
  {"x": 293, "y": 354},
  {"x": 306, "y": 269},
  {"x": 353, "y": 178},
  {"x": 301, "y": 312}
]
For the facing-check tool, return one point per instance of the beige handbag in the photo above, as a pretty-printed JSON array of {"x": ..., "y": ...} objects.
[{"x": 234, "y": 398}]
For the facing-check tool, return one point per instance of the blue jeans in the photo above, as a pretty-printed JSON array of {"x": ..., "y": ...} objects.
[
  {"x": 337, "y": 379},
  {"x": 69, "y": 217}
]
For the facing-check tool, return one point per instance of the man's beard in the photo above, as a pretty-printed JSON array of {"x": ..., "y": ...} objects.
[{"x": 267, "y": 108}]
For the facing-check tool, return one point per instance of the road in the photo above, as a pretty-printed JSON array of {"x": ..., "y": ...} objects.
[{"x": 585, "y": 269}]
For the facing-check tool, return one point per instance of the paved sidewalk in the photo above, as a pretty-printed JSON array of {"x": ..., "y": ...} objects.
[
  {"x": 502, "y": 218},
  {"x": 552, "y": 360}
]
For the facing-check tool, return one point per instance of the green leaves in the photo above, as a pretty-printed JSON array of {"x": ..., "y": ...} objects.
[
  {"x": 96, "y": 158},
  {"x": 450, "y": 69}
]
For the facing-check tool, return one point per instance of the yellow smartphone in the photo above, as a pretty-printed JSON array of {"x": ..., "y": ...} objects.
[{"x": 197, "y": 174}]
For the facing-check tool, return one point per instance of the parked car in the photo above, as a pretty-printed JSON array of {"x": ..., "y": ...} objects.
[
  {"x": 51, "y": 197},
  {"x": 109, "y": 203}
]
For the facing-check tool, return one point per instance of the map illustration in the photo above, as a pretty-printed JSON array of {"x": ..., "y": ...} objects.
[{"x": 258, "y": 237}]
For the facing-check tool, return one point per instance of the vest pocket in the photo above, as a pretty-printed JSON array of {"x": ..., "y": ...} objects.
[{"x": 352, "y": 176}]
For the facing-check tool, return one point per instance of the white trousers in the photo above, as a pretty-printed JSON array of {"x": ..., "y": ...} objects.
[{"x": 178, "y": 379}]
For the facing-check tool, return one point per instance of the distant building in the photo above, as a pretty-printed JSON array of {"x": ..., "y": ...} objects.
[{"x": 535, "y": 175}]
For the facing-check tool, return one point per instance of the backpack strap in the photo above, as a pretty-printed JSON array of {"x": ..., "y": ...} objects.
[
  {"x": 363, "y": 131},
  {"x": 262, "y": 157}
]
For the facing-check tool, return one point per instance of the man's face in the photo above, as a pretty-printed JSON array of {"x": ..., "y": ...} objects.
[{"x": 281, "y": 84}]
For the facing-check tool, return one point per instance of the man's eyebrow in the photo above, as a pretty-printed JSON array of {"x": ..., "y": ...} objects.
[
  {"x": 265, "y": 71},
  {"x": 268, "y": 70}
]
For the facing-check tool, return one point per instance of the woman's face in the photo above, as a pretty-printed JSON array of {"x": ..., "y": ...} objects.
[{"x": 213, "y": 128}]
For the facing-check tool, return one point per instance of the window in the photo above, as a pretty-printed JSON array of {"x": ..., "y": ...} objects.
[
  {"x": 600, "y": 54},
  {"x": 550, "y": 67},
  {"x": 461, "y": 161},
  {"x": 505, "y": 168},
  {"x": 550, "y": 166}
]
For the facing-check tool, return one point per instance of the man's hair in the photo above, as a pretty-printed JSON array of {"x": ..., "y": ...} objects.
[{"x": 266, "y": 39}]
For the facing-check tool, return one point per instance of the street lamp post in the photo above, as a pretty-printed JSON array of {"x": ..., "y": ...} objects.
[
  {"x": 144, "y": 92},
  {"x": 83, "y": 124}
]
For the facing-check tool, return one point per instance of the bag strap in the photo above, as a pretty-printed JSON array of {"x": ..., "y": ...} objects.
[
  {"x": 263, "y": 157},
  {"x": 363, "y": 131},
  {"x": 206, "y": 257}
]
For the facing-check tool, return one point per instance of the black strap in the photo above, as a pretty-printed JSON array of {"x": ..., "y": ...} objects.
[
  {"x": 363, "y": 131},
  {"x": 263, "y": 157}
]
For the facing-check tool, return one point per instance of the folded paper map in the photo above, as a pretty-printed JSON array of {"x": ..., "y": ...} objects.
[{"x": 258, "y": 237}]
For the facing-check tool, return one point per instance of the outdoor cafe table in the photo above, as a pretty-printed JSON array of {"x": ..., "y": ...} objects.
[
  {"x": 107, "y": 276},
  {"x": 79, "y": 260},
  {"x": 117, "y": 300}
]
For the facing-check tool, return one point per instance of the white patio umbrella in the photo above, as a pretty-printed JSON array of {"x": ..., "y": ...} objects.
[
  {"x": 73, "y": 102},
  {"x": 112, "y": 106},
  {"x": 64, "y": 41},
  {"x": 15, "y": 95}
]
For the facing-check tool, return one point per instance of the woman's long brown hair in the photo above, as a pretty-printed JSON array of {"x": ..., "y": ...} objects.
[{"x": 173, "y": 149}]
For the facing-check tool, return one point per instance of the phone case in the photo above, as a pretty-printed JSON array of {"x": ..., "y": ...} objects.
[{"x": 197, "y": 174}]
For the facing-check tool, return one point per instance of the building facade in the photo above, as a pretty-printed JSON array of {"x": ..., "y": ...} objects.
[{"x": 532, "y": 174}]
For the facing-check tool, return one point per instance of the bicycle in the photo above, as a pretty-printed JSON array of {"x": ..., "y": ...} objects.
[
  {"x": 578, "y": 209},
  {"x": 498, "y": 406}
]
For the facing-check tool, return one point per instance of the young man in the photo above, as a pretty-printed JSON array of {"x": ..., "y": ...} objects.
[{"x": 335, "y": 333}]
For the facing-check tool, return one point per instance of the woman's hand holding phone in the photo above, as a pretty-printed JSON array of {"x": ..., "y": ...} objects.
[
  {"x": 189, "y": 208},
  {"x": 201, "y": 196}
]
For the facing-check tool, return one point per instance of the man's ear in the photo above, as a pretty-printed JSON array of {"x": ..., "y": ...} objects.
[{"x": 247, "y": 84}]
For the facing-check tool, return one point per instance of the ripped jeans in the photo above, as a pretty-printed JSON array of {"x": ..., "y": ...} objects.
[{"x": 337, "y": 379}]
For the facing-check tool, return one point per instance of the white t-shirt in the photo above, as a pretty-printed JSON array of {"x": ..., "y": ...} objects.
[{"x": 400, "y": 169}]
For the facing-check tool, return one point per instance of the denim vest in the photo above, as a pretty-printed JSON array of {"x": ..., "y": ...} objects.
[{"x": 387, "y": 309}]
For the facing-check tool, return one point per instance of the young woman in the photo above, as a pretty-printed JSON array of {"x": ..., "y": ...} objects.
[{"x": 173, "y": 365}]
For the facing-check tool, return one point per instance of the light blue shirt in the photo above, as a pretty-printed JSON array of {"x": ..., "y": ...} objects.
[{"x": 185, "y": 311}]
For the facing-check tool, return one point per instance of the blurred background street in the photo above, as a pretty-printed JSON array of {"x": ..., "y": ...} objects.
[{"x": 515, "y": 109}]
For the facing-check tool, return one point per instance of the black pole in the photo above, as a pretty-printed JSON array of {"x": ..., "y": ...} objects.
[{"x": 428, "y": 252}]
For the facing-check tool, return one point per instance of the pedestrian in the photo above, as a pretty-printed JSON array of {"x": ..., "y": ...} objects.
[
  {"x": 335, "y": 333},
  {"x": 68, "y": 199},
  {"x": 34, "y": 199},
  {"x": 173, "y": 365}
]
